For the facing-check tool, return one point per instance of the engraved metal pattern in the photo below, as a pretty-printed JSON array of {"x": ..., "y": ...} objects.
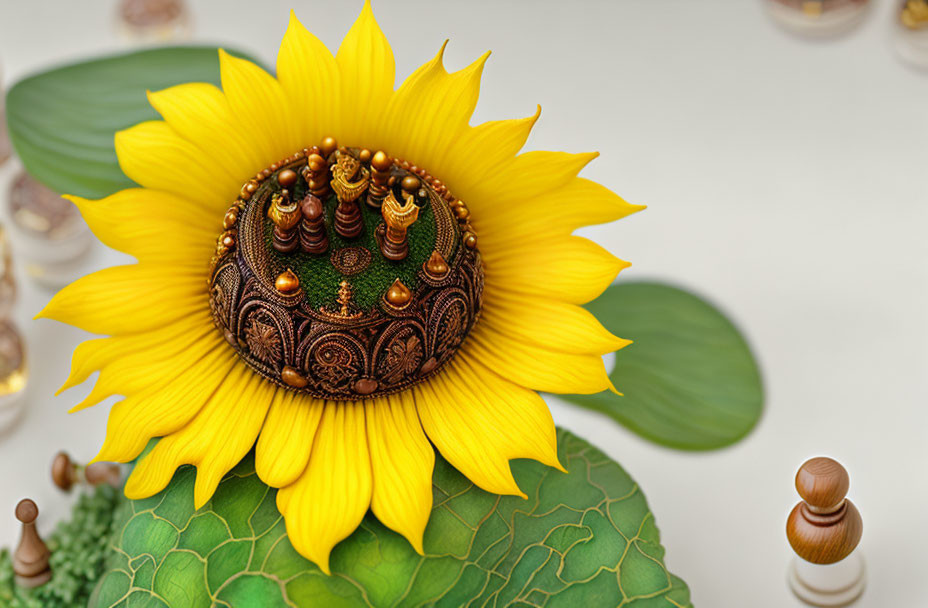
[{"x": 343, "y": 352}]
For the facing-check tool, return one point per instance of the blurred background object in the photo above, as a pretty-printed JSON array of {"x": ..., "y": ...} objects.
[
  {"x": 48, "y": 232},
  {"x": 818, "y": 17},
  {"x": 6, "y": 149},
  {"x": 12, "y": 347},
  {"x": 154, "y": 20},
  {"x": 912, "y": 33}
]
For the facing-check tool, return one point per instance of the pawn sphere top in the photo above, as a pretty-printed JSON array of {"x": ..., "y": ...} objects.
[
  {"x": 26, "y": 511},
  {"x": 822, "y": 483}
]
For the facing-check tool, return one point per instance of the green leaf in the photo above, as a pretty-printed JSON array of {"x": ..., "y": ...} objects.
[
  {"x": 689, "y": 379},
  {"x": 586, "y": 538},
  {"x": 62, "y": 121}
]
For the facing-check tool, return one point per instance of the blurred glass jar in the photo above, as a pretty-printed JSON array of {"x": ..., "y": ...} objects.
[
  {"x": 13, "y": 371},
  {"x": 47, "y": 232},
  {"x": 154, "y": 20},
  {"x": 818, "y": 17},
  {"x": 911, "y": 38}
]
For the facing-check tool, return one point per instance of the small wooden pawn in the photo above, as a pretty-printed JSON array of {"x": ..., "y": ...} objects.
[
  {"x": 313, "y": 237},
  {"x": 824, "y": 530},
  {"x": 30, "y": 559}
]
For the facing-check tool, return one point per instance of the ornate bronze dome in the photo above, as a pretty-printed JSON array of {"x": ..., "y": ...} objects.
[{"x": 345, "y": 274}]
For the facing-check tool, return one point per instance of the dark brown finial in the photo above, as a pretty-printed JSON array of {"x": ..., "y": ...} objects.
[
  {"x": 286, "y": 215},
  {"x": 313, "y": 237},
  {"x": 380, "y": 178},
  {"x": 64, "y": 471},
  {"x": 825, "y": 527},
  {"x": 30, "y": 560}
]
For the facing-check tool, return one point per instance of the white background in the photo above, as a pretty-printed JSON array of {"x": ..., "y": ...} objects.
[{"x": 786, "y": 180}]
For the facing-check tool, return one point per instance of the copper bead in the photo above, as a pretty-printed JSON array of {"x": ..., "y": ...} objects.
[
  {"x": 436, "y": 265},
  {"x": 381, "y": 161},
  {"x": 410, "y": 183},
  {"x": 398, "y": 296},
  {"x": 364, "y": 155},
  {"x": 287, "y": 282},
  {"x": 286, "y": 178},
  {"x": 470, "y": 240},
  {"x": 292, "y": 377},
  {"x": 328, "y": 146},
  {"x": 365, "y": 386}
]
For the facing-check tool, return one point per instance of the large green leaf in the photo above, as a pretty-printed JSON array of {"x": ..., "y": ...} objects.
[
  {"x": 689, "y": 379},
  {"x": 585, "y": 539},
  {"x": 62, "y": 121}
]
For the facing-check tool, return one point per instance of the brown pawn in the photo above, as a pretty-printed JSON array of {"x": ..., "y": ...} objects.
[
  {"x": 316, "y": 174},
  {"x": 825, "y": 527},
  {"x": 30, "y": 560},
  {"x": 66, "y": 473},
  {"x": 313, "y": 237},
  {"x": 286, "y": 215},
  {"x": 380, "y": 179},
  {"x": 99, "y": 473}
]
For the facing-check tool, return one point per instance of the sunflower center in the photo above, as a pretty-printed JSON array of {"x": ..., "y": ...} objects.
[{"x": 346, "y": 274}]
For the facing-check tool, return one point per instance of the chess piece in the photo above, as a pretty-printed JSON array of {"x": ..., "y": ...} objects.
[
  {"x": 397, "y": 219},
  {"x": 823, "y": 530},
  {"x": 313, "y": 237},
  {"x": 6, "y": 148},
  {"x": 30, "y": 560},
  {"x": 154, "y": 20},
  {"x": 286, "y": 215},
  {"x": 380, "y": 178},
  {"x": 349, "y": 180},
  {"x": 66, "y": 473},
  {"x": 316, "y": 174},
  {"x": 818, "y": 17}
]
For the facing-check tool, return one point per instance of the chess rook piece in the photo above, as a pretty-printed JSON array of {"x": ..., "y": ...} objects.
[
  {"x": 30, "y": 560},
  {"x": 380, "y": 179},
  {"x": 286, "y": 215},
  {"x": 313, "y": 237},
  {"x": 824, "y": 529},
  {"x": 397, "y": 219},
  {"x": 316, "y": 174},
  {"x": 350, "y": 181}
]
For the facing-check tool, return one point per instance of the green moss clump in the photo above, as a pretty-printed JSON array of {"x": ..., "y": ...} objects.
[{"x": 79, "y": 548}]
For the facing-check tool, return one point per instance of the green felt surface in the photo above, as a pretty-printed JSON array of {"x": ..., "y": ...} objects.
[
  {"x": 586, "y": 538},
  {"x": 320, "y": 279}
]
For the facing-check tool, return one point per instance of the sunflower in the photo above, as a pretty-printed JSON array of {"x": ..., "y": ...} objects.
[{"x": 340, "y": 276}]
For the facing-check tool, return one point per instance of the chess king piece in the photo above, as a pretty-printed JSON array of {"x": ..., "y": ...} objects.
[
  {"x": 30, "y": 560},
  {"x": 349, "y": 180},
  {"x": 824, "y": 529},
  {"x": 397, "y": 218},
  {"x": 286, "y": 216}
]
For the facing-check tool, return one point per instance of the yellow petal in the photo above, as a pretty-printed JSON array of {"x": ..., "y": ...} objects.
[
  {"x": 329, "y": 500},
  {"x": 287, "y": 437},
  {"x": 308, "y": 74},
  {"x": 535, "y": 367},
  {"x": 367, "y": 73},
  {"x": 481, "y": 150},
  {"x": 157, "y": 157},
  {"x": 156, "y": 413},
  {"x": 200, "y": 113},
  {"x": 260, "y": 107},
  {"x": 402, "y": 461},
  {"x": 431, "y": 109},
  {"x": 479, "y": 421},
  {"x": 153, "y": 226},
  {"x": 572, "y": 269},
  {"x": 158, "y": 344},
  {"x": 215, "y": 440},
  {"x": 552, "y": 214},
  {"x": 548, "y": 324},
  {"x": 128, "y": 299},
  {"x": 152, "y": 369}
]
